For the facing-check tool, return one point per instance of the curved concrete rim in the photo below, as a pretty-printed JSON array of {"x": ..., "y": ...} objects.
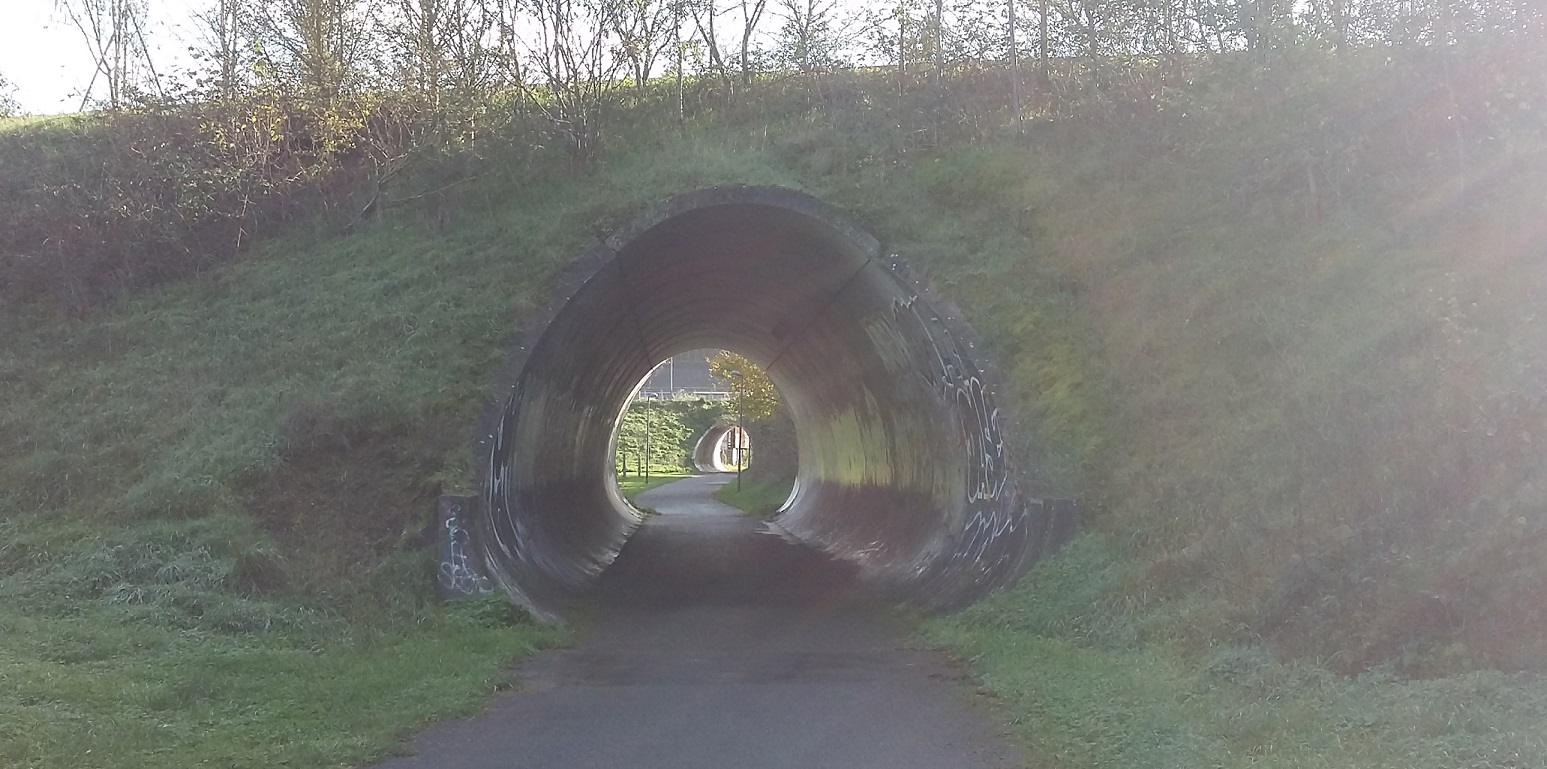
[
  {"x": 903, "y": 466},
  {"x": 708, "y": 450}
]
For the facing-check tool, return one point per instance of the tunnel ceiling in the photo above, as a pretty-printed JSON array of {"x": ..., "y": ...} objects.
[{"x": 902, "y": 463}]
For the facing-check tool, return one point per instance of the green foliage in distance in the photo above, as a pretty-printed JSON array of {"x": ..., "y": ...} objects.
[
  {"x": 8, "y": 106},
  {"x": 672, "y": 426},
  {"x": 753, "y": 394},
  {"x": 652, "y": 432}
]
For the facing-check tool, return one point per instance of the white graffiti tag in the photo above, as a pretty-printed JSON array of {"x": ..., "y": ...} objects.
[
  {"x": 458, "y": 574},
  {"x": 997, "y": 521}
]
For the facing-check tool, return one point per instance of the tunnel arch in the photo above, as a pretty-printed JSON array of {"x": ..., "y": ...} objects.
[
  {"x": 903, "y": 467},
  {"x": 708, "y": 449}
]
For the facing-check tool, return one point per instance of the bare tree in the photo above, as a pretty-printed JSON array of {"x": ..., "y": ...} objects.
[
  {"x": 1263, "y": 23},
  {"x": 1090, "y": 17},
  {"x": 901, "y": 34},
  {"x": 441, "y": 44},
  {"x": 472, "y": 47},
  {"x": 751, "y": 15},
  {"x": 642, "y": 28},
  {"x": 421, "y": 41},
  {"x": 1015, "y": 63},
  {"x": 114, "y": 31},
  {"x": 1043, "y": 42},
  {"x": 705, "y": 15},
  {"x": 573, "y": 56},
  {"x": 504, "y": 51},
  {"x": 973, "y": 31},
  {"x": 224, "y": 32},
  {"x": 319, "y": 46},
  {"x": 676, "y": 50},
  {"x": 807, "y": 40},
  {"x": 937, "y": 24},
  {"x": 1328, "y": 21}
]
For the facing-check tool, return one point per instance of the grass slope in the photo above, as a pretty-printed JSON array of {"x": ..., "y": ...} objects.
[
  {"x": 102, "y": 689},
  {"x": 1068, "y": 659},
  {"x": 219, "y": 492}
]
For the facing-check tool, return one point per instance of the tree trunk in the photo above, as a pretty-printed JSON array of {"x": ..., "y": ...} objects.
[
  {"x": 939, "y": 49},
  {"x": 1169, "y": 21},
  {"x": 676, "y": 37},
  {"x": 1015, "y": 66},
  {"x": 1042, "y": 44},
  {"x": 1090, "y": 33}
]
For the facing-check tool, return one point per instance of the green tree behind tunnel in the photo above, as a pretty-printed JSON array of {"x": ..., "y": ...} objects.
[
  {"x": 672, "y": 425},
  {"x": 753, "y": 396}
]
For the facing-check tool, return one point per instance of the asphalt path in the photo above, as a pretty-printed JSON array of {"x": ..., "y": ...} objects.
[{"x": 717, "y": 644}]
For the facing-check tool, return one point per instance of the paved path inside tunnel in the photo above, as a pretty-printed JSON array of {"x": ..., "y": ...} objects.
[{"x": 717, "y": 644}]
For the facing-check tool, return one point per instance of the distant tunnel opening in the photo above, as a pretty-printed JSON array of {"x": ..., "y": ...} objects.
[
  {"x": 716, "y": 451},
  {"x": 903, "y": 468}
]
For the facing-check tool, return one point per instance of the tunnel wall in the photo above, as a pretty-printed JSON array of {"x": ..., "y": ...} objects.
[{"x": 903, "y": 466}]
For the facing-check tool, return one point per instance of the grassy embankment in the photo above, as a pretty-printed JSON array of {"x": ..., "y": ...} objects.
[
  {"x": 760, "y": 497},
  {"x": 214, "y": 508},
  {"x": 220, "y": 488},
  {"x": 1274, "y": 328},
  {"x": 1300, "y": 397},
  {"x": 1320, "y": 530}
]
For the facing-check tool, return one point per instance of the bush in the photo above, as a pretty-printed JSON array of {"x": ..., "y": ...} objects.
[{"x": 95, "y": 206}]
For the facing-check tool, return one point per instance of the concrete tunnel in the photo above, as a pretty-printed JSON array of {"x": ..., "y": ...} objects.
[
  {"x": 708, "y": 451},
  {"x": 902, "y": 469}
]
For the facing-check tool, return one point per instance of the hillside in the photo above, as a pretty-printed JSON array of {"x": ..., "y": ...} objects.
[{"x": 1275, "y": 326}]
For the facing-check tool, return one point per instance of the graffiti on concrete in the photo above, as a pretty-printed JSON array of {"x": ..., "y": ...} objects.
[
  {"x": 997, "y": 520},
  {"x": 497, "y": 491},
  {"x": 459, "y": 574},
  {"x": 507, "y": 526}
]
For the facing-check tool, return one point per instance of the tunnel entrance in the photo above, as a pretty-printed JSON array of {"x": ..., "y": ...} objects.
[
  {"x": 722, "y": 448},
  {"x": 903, "y": 467},
  {"x": 701, "y": 421}
]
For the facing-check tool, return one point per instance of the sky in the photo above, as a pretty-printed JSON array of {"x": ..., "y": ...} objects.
[{"x": 45, "y": 57}]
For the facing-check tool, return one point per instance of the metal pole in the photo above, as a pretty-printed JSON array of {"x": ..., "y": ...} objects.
[
  {"x": 741, "y": 432},
  {"x": 738, "y": 383},
  {"x": 648, "y": 413},
  {"x": 677, "y": 43}
]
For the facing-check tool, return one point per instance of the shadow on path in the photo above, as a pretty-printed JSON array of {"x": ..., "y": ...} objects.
[{"x": 719, "y": 644}]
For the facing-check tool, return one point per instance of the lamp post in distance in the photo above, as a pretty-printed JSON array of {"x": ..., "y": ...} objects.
[
  {"x": 648, "y": 414},
  {"x": 739, "y": 434}
]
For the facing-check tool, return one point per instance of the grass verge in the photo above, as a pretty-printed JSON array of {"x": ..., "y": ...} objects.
[
  {"x": 1074, "y": 668},
  {"x": 97, "y": 689},
  {"x": 757, "y": 498},
  {"x": 635, "y": 485}
]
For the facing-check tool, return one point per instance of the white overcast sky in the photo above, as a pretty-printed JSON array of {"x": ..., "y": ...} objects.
[
  {"x": 44, "y": 56},
  {"x": 46, "y": 59}
]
